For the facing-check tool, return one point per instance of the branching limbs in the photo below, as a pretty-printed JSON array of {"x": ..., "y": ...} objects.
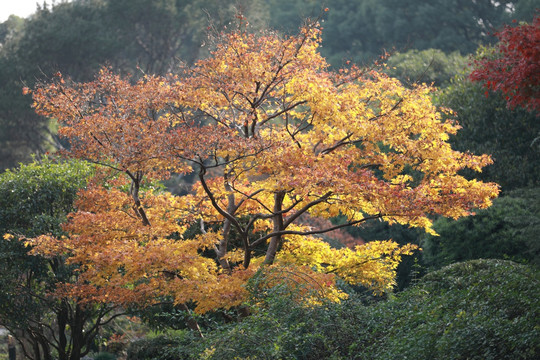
[{"x": 136, "y": 179}]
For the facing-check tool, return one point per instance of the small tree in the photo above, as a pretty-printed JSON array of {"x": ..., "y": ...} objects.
[
  {"x": 34, "y": 200},
  {"x": 272, "y": 135}
]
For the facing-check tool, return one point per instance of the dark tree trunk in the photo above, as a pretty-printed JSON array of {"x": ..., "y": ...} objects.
[
  {"x": 278, "y": 226},
  {"x": 12, "y": 348}
]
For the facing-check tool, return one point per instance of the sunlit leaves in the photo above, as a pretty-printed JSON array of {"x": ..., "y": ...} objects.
[{"x": 272, "y": 135}]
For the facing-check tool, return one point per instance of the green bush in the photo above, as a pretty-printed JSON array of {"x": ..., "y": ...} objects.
[
  {"x": 481, "y": 309},
  {"x": 35, "y": 198},
  {"x": 507, "y": 230},
  {"x": 163, "y": 347},
  {"x": 105, "y": 356}
]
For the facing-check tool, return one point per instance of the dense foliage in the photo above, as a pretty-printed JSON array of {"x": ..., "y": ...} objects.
[
  {"x": 482, "y": 309},
  {"x": 515, "y": 69},
  {"x": 507, "y": 230},
  {"x": 35, "y": 199}
]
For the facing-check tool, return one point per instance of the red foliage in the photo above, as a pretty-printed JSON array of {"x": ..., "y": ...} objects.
[{"x": 516, "y": 69}]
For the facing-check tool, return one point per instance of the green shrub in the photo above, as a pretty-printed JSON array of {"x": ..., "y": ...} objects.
[
  {"x": 163, "y": 347},
  {"x": 105, "y": 356},
  {"x": 284, "y": 330},
  {"x": 481, "y": 309},
  {"x": 35, "y": 198},
  {"x": 507, "y": 230}
]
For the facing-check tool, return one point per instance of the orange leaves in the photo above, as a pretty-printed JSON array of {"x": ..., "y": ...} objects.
[
  {"x": 113, "y": 122},
  {"x": 273, "y": 135},
  {"x": 48, "y": 246}
]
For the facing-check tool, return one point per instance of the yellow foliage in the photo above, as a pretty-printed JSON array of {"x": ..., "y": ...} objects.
[{"x": 273, "y": 136}]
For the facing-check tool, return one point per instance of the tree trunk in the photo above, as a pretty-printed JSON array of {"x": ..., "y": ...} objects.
[
  {"x": 224, "y": 242},
  {"x": 77, "y": 334},
  {"x": 277, "y": 219},
  {"x": 62, "y": 319},
  {"x": 12, "y": 348}
]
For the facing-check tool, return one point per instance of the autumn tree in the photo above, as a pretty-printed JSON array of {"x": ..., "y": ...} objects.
[
  {"x": 514, "y": 68},
  {"x": 272, "y": 135}
]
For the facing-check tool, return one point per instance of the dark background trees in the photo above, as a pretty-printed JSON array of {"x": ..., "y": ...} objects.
[
  {"x": 362, "y": 29},
  {"x": 79, "y": 37}
]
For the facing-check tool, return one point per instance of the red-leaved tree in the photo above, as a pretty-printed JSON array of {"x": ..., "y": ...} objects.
[{"x": 515, "y": 69}]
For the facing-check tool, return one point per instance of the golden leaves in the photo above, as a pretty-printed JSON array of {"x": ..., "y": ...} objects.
[
  {"x": 372, "y": 264},
  {"x": 273, "y": 135}
]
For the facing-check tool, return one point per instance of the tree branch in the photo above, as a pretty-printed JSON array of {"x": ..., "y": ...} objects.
[{"x": 313, "y": 232}]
